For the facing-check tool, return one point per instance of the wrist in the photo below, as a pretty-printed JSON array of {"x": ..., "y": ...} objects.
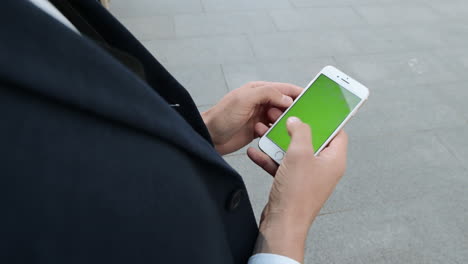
[
  {"x": 208, "y": 119},
  {"x": 282, "y": 236}
]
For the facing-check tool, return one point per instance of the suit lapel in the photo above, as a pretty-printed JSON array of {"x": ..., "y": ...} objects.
[
  {"x": 156, "y": 75},
  {"x": 42, "y": 56}
]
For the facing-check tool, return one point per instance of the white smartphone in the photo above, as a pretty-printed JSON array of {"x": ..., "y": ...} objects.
[{"x": 326, "y": 104}]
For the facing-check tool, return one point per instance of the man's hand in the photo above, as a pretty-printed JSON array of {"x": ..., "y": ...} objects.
[
  {"x": 303, "y": 183},
  {"x": 233, "y": 122}
]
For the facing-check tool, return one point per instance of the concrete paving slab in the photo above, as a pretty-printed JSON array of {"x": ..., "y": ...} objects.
[
  {"x": 210, "y": 24},
  {"x": 405, "y": 108},
  {"x": 203, "y": 108},
  {"x": 412, "y": 37},
  {"x": 156, "y": 53},
  {"x": 453, "y": 94},
  {"x": 399, "y": 14},
  {"x": 455, "y": 59},
  {"x": 415, "y": 67},
  {"x": 301, "y": 45},
  {"x": 372, "y": 40},
  {"x": 213, "y": 50},
  {"x": 452, "y": 9},
  {"x": 401, "y": 166},
  {"x": 228, "y": 5},
  {"x": 330, "y": 3},
  {"x": 428, "y": 229},
  {"x": 418, "y": 37},
  {"x": 199, "y": 79},
  {"x": 299, "y": 72},
  {"x": 455, "y": 140},
  {"x": 138, "y": 8},
  {"x": 454, "y": 34},
  {"x": 313, "y": 18},
  {"x": 150, "y": 27}
]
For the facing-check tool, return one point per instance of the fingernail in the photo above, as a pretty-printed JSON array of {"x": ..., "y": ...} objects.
[
  {"x": 293, "y": 119},
  {"x": 287, "y": 100}
]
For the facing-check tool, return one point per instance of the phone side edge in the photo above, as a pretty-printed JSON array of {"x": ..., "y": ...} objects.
[{"x": 341, "y": 126}]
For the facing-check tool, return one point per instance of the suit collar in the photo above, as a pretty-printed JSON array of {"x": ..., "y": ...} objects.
[
  {"x": 48, "y": 8},
  {"x": 156, "y": 75},
  {"x": 62, "y": 66}
]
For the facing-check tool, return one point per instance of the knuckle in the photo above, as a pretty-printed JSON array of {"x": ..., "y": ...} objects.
[
  {"x": 272, "y": 94},
  {"x": 237, "y": 96},
  {"x": 254, "y": 84},
  {"x": 265, "y": 90}
]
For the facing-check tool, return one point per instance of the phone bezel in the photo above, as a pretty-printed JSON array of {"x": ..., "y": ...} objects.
[{"x": 276, "y": 153}]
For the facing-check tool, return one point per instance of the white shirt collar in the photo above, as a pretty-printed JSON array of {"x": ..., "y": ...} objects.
[{"x": 50, "y": 9}]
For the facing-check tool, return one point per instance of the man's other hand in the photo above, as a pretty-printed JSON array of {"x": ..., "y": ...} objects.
[
  {"x": 303, "y": 182},
  {"x": 247, "y": 111}
]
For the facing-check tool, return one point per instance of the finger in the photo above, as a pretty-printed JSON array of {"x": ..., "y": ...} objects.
[
  {"x": 262, "y": 160},
  {"x": 285, "y": 88},
  {"x": 269, "y": 95},
  {"x": 338, "y": 147},
  {"x": 260, "y": 129},
  {"x": 273, "y": 114},
  {"x": 300, "y": 133},
  {"x": 288, "y": 89},
  {"x": 258, "y": 83}
]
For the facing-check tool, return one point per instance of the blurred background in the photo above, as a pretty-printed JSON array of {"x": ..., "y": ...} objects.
[{"x": 404, "y": 198}]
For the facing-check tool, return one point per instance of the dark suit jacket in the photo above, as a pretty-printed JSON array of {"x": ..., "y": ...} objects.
[{"x": 95, "y": 166}]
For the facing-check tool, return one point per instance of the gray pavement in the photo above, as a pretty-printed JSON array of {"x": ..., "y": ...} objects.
[{"x": 404, "y": 198}]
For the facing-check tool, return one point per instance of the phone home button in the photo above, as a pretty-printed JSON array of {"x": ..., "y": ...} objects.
[{"x": 279, "y": 155}]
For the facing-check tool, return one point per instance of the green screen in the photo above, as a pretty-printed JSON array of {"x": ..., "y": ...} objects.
[{"x": 324, "y": 106}]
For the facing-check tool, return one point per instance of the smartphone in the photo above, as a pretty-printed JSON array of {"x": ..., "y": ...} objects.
[{"x": 326, "y": 104}]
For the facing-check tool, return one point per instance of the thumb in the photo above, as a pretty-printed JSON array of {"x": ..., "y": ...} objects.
[
  {"x": 301, "y": 134},
  {"x": 269, "y": 95}
]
